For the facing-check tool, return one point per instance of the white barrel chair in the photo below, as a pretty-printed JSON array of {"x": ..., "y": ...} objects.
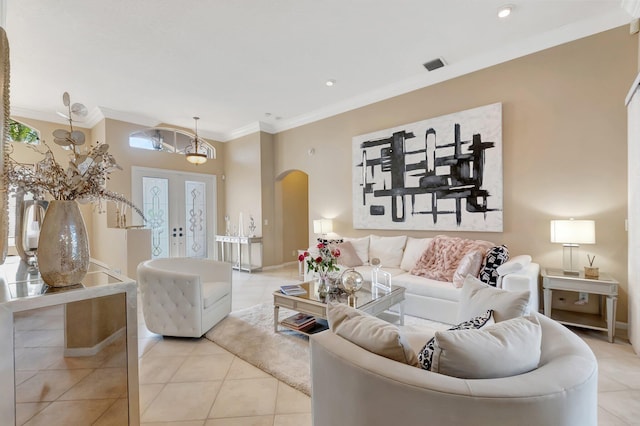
[
  {"x": 354, "y": 387},
  {"x": 184, "y": 297}
]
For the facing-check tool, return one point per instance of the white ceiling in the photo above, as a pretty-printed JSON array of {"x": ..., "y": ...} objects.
[{"x": 233, "y": 61}]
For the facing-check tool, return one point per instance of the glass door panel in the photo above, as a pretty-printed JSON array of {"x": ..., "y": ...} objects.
[
  {"x": 180, "y": 210},
  {"x": 196, "y": 214},
  {"x": 155, "y": 195}
]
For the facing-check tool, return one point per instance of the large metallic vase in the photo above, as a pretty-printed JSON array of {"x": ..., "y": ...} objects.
[{"x": 63, "y": 248}]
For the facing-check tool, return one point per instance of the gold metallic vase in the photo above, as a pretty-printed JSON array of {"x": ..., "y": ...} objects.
[{"x": 63, "y": 247}]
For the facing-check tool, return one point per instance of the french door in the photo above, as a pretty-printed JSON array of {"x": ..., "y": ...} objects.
[{"x": 180, "y": 211}]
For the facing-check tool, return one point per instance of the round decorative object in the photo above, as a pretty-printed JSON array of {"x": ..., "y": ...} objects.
[
  {"x": 63, "y": 246},
  {"x": 351, "y": 281}
]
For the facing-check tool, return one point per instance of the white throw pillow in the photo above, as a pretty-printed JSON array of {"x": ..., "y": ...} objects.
[
  {"x": 469, "y": 265},
  {"x": 425, "y": 355},
  {"x": 361, "y": 246},
  {"x": 477, "y": 297},
  {"x": 370, "y": 333},
  {"x": 388, "y": 249},
  {"x": 514, "y": 264},
  {"x": 504, "y": 349},
  {"x": 412, "y": 252}
]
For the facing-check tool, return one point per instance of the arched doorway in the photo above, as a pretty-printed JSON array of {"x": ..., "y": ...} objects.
[{"x": 293, "y": 196}]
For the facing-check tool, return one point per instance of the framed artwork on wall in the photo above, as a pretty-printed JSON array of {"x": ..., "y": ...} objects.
[{"x": 440, "y": 174}]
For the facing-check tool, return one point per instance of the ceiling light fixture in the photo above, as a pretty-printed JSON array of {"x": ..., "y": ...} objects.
[
  {"x": 505, "y": 11},
  {"x": 195, "y": 154},
  {"x": 330, "y": 82}
]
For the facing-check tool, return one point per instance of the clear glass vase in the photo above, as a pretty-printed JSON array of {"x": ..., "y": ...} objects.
[{"x": 322, "y": 285}]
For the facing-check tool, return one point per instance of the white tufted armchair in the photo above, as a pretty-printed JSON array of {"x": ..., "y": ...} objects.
[{"x": 184, "y": 297}]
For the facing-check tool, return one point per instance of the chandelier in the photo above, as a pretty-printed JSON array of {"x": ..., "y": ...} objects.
[{"x": 196, "y": 153}]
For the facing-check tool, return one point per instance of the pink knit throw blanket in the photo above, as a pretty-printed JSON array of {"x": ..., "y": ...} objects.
[{"x": 443, "y": 255}]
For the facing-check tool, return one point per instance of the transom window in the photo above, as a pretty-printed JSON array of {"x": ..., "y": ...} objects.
[
  {"x": 168, "y": 140},
  {"x": 19, "y": 132}
]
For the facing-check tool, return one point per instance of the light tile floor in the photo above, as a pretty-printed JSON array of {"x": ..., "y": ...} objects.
[{"x": 194, "y": 382}]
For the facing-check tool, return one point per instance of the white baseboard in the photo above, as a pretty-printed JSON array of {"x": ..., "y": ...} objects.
[
  {"x": 622, "y": 325},
  {"x": 95, "y": 349},
  {"x": 282, "y": 265}
]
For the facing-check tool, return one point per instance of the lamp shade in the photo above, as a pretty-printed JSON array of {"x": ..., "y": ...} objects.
[
  {"x": 322, "y": 226},
  {"x": 573, "y": 231}
]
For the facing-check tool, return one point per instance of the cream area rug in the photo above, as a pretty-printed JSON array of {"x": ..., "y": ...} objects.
[{"x": 248, "y": 334}]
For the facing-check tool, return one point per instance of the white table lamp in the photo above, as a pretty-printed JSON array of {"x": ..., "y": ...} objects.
[
  {"x": 322, "y": 226},
  {"x": 571, "y": 233}
]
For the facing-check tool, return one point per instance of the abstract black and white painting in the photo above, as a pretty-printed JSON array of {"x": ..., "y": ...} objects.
[{"x": 443, "y": 174}]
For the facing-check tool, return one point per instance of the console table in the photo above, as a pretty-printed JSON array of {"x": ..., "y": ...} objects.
[
  {"x": 96, "y": 312},
  {"x": 225, "y": 254}
]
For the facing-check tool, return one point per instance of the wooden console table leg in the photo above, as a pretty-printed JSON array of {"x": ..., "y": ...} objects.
[{"x": 547, "y": 302}]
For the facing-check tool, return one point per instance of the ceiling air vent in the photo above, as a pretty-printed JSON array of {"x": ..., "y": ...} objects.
[{"x": 434, "y": 64}]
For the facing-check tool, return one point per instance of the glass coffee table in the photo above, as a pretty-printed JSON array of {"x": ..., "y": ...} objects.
[{"x": 312, "y": 304}]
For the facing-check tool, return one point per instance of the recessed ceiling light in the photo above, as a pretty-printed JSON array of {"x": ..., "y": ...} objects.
[
  {"x": 330, "y": 83},
  {"x": 505, "y": 11}
]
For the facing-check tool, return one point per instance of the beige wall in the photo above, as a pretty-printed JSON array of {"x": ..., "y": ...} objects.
[
  {"x": 564, "y": 146},
  {"x": 564, "y": 153},
  {"x": 270, "y": 234},
  {"x": 295, "y": 213},
  {"x": 243, "y": 183},
  {"x": 117, "y": 135}
]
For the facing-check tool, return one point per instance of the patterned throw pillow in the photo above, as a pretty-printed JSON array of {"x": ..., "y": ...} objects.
[
  {"x": 425, "y": 356},
  {"x": 495, "y": 257}
]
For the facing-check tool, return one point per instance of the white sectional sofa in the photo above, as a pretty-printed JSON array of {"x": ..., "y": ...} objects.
[{"x": 424, "y": 297}]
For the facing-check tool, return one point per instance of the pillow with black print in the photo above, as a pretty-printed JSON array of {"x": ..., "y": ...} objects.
[
  {"x": 495, "y": 257},
  {"x": 425, "y": 356}
]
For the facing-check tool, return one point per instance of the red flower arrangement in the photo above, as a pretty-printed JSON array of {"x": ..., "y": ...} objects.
[{"x": 325, "y": 262}]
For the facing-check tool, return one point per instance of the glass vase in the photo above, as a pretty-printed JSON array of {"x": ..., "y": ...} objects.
[
  {"x": 322, "y": 285},
  {"x": 63, "y": 246}
]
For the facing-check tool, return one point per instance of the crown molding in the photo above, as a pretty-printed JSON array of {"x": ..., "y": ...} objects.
[
  {"x": 94, "y": 117},
  {"x": 632, "y": 7},
  {"x": 534, "y": 44},
  {"x": 128, "y": 117},
  {"x": 52, "y": 117},
  {"x": 267, "y": 127},
  {"x": 257, "y": 126}
]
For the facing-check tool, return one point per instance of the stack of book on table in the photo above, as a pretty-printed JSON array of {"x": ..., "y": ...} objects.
[
  {"x": 300, "y": 322},
  {"x": 292, "y": 290}
]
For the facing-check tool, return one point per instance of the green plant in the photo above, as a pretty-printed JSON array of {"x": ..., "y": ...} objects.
[{"x": 19, "y": 132}]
